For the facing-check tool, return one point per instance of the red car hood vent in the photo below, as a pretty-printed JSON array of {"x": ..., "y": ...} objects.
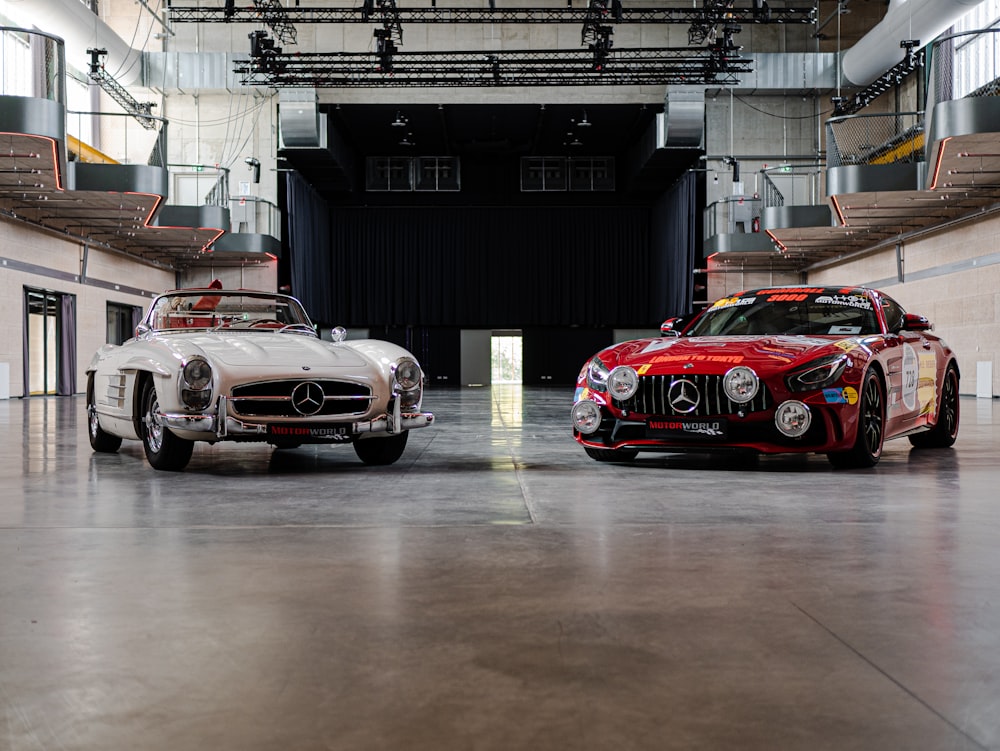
[{"x": 716, "y": 354}]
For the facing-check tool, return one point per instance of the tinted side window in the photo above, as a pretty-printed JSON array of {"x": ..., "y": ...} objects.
[{"x": 894, "y": 314}]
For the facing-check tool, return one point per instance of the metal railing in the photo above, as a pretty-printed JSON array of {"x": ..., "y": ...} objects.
[
  {"x": 116, "y": 138},
  {"x": 887, "y": 138},
  {"x": 962, "y": 65},
  {"x": 732, "y": 215},
  {"x": 792, "y": 184},
  {"x": 199, "y": 185},
  {"x": 255, "y": 215},
  {"x": 32, "y": 64}
]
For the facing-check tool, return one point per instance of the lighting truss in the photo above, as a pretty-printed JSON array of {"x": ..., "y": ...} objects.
[
  {"x": 141, "y": 111},
  {"x": 430, "y": 15},
  {"x": 274, "y": 16},
  {"x": 912, "y": 61},
  {"x": 650, "y": 66}
]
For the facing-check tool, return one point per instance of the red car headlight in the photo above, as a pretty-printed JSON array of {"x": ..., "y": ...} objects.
[{"x": 817, "y": 374}]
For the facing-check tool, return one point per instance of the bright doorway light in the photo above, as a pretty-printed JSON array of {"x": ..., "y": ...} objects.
[{"x": 505, "y": 357}]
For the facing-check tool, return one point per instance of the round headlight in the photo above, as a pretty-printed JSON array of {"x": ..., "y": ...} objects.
[
  {"x": 623, "y": 382},
  {"x": 586, "y": 417},
  {"x": 740, "y": 384},
  {"x": 792, "y": 418},
  {"x": 407, "y": 374},
  {"x": 197, "y": 373}
]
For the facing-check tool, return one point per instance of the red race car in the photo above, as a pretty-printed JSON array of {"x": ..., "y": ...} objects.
[{"x": 834, "y": 370}]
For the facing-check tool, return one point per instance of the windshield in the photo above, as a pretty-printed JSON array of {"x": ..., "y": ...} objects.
[
  {"x": 816, "y": 312},
  {"x": 211, "y": 309}
]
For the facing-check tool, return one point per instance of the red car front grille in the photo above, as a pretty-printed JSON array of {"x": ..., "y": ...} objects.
[{"x": 653, "y": 397}]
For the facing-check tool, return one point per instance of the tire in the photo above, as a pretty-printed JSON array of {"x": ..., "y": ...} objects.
[
  {"x": 867, "y": 449},
  {"x": 611, "y": 455},
  {"x": 381, "y": 451},
  {"x": 944, "y": 433},
  {"x": 102, "y": 442},
  {"x": 164, "y": 450}
]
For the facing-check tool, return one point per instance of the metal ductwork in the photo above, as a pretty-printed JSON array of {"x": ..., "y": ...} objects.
[
  {"x": 682, "y": 124},
  {"x": 298, "y": 118},
  {"x": 81, "y": 29},
  {"x": 921, "y": 20}
]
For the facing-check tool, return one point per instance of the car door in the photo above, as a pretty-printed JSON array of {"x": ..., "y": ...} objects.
[{"x": 912, "y": 367}]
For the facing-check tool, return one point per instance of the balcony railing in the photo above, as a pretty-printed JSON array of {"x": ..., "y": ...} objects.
[
  {"x": 116, "y": 138},
  {"x": 199, "y": 185},
  {"x": 32, "y": 64},
  {"x": 255, "y": 215},
  {"x": 962, "y": 65},
  {"x": 889, "y": 138},
  {"x": 732, "y": 215}
]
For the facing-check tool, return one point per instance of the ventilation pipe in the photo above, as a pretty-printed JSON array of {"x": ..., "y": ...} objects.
[
  {"x": 81, "y": 29},
  {"x": 921, "y": 20}
]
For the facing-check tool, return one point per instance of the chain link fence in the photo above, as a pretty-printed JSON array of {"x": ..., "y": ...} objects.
[
  {"x": 32, "y": 64},
  {"x": 891, "y": 138}
]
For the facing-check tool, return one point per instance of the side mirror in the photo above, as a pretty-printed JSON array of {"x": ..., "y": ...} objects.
[
  {"x": 913, "y": 322},
  {"x": 673, "y": 326},
  {"x": 141, "y": 330}
]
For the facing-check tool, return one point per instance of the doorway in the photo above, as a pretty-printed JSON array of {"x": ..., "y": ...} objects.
[
  {"x": 506, "y": 360},
  {"x": 49, "y": 343}
]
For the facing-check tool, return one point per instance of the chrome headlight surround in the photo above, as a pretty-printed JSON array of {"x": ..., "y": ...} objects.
[
  {"x": 818, "y": 374},
  {"x": 586, "y": 417},
  {"x": 741, "y": 384},
  {"x": 597, "y": 374},
  {"x": 408, "y": 379},
  {"x": 195, "y": 383},
  {"x": 623, "y": 382}
]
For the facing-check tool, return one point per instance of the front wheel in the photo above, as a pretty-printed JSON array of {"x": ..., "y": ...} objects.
[
  {"x": 611, "y": 455},
  {"x": 945, "y": 431},
  {"x": 164, "y": 450},
  {"x": 100, "y": 441},
  {"x": 867, "y": 449},
  {"x": 381, "y": 451}
]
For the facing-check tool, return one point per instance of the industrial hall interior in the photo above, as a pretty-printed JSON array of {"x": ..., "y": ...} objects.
[{"x": 501, "y": 222}]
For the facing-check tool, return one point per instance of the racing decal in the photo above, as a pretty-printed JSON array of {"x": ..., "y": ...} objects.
[
  {"x": 643, "y": 369},
  {"x": 927, "y": 384},
  {"x": 657, "y": 344},
  {"x": 910, "y": 377},
  {"x": 846, "y": 395},
  {"x": 846, "y": 344},
  {"x": 792, "y": 290},
  {"x": 844, "y": 330},
  {"x": 683, "y": 427},
  {"x": 728, "y": 359},
  {"x": 581, "y": 393},
  {"x": 849, "y": 301},
  {"x": 733, "y": 302}
]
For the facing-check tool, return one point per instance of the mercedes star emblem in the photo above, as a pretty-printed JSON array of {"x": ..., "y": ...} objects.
[
  {"x": 683, "y": 396},
  {"x": 307, "y": 398}
]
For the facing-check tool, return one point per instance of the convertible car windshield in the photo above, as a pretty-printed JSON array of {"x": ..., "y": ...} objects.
[
  {"x": 211, "y": 309},
  {"x": 814, "y": 314}
]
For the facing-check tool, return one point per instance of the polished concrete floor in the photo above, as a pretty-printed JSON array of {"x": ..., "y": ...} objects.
[{"x": 494, "y": 590}]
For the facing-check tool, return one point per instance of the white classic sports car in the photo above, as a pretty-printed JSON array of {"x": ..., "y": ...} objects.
[{"x": 236, "y": 365}]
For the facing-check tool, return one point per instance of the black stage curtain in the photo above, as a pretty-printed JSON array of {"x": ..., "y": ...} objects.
[
  {"x": 492, "y": 266},
  {"x": 675, "y": 233},
  {"x": 309, "y": 248}
]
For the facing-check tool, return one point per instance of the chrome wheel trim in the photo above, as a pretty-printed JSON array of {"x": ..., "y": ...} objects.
[{"x": 154, "y": 426}]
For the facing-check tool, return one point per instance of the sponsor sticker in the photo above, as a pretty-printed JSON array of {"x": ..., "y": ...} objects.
[
  {"x": 310, "y": 432},
  {"x": 679, "y": 427},
  {"x": 846, "y": 395},
  {"x": 643, "y": 369},
  {"x": 850, "y": 301}
]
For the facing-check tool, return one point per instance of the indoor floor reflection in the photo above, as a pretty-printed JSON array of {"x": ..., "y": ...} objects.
[{"x": 494, "y": 590}]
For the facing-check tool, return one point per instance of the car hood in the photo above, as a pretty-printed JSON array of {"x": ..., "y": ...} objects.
[
  {"x": 719, "y": 353},
  {"x": 259, "y": 349}
]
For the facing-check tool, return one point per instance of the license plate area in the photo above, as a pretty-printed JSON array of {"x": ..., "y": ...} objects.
[
  {"x": 688, "y": 428},
  {"x": 317, "y": 432}
]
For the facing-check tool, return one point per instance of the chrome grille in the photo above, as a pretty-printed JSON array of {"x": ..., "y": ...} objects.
[
  {"x": 652, "y": 397},
  {"x": 274, "y": 398}
]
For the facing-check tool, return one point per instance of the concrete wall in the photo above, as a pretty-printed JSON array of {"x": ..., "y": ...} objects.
[
  {"x": 953, "y": 278},
  {"x": 21, "y": 244}
]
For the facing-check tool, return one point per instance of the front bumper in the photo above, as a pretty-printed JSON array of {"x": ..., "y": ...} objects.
[{"x": 224, "y": 426}]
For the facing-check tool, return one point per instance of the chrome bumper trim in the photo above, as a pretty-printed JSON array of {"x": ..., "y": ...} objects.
[{"x": 393, "y": 423}]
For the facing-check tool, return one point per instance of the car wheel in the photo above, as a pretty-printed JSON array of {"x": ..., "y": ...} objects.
[
  {"x": 611, "y": 455},
  {"x": 100, "y": 441},
  {"x": 164, "y": 450},
  {"x": 867, "y": 449},
  {"x": 944, "y": 433},
  {"x": 381, "y": 450}
]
